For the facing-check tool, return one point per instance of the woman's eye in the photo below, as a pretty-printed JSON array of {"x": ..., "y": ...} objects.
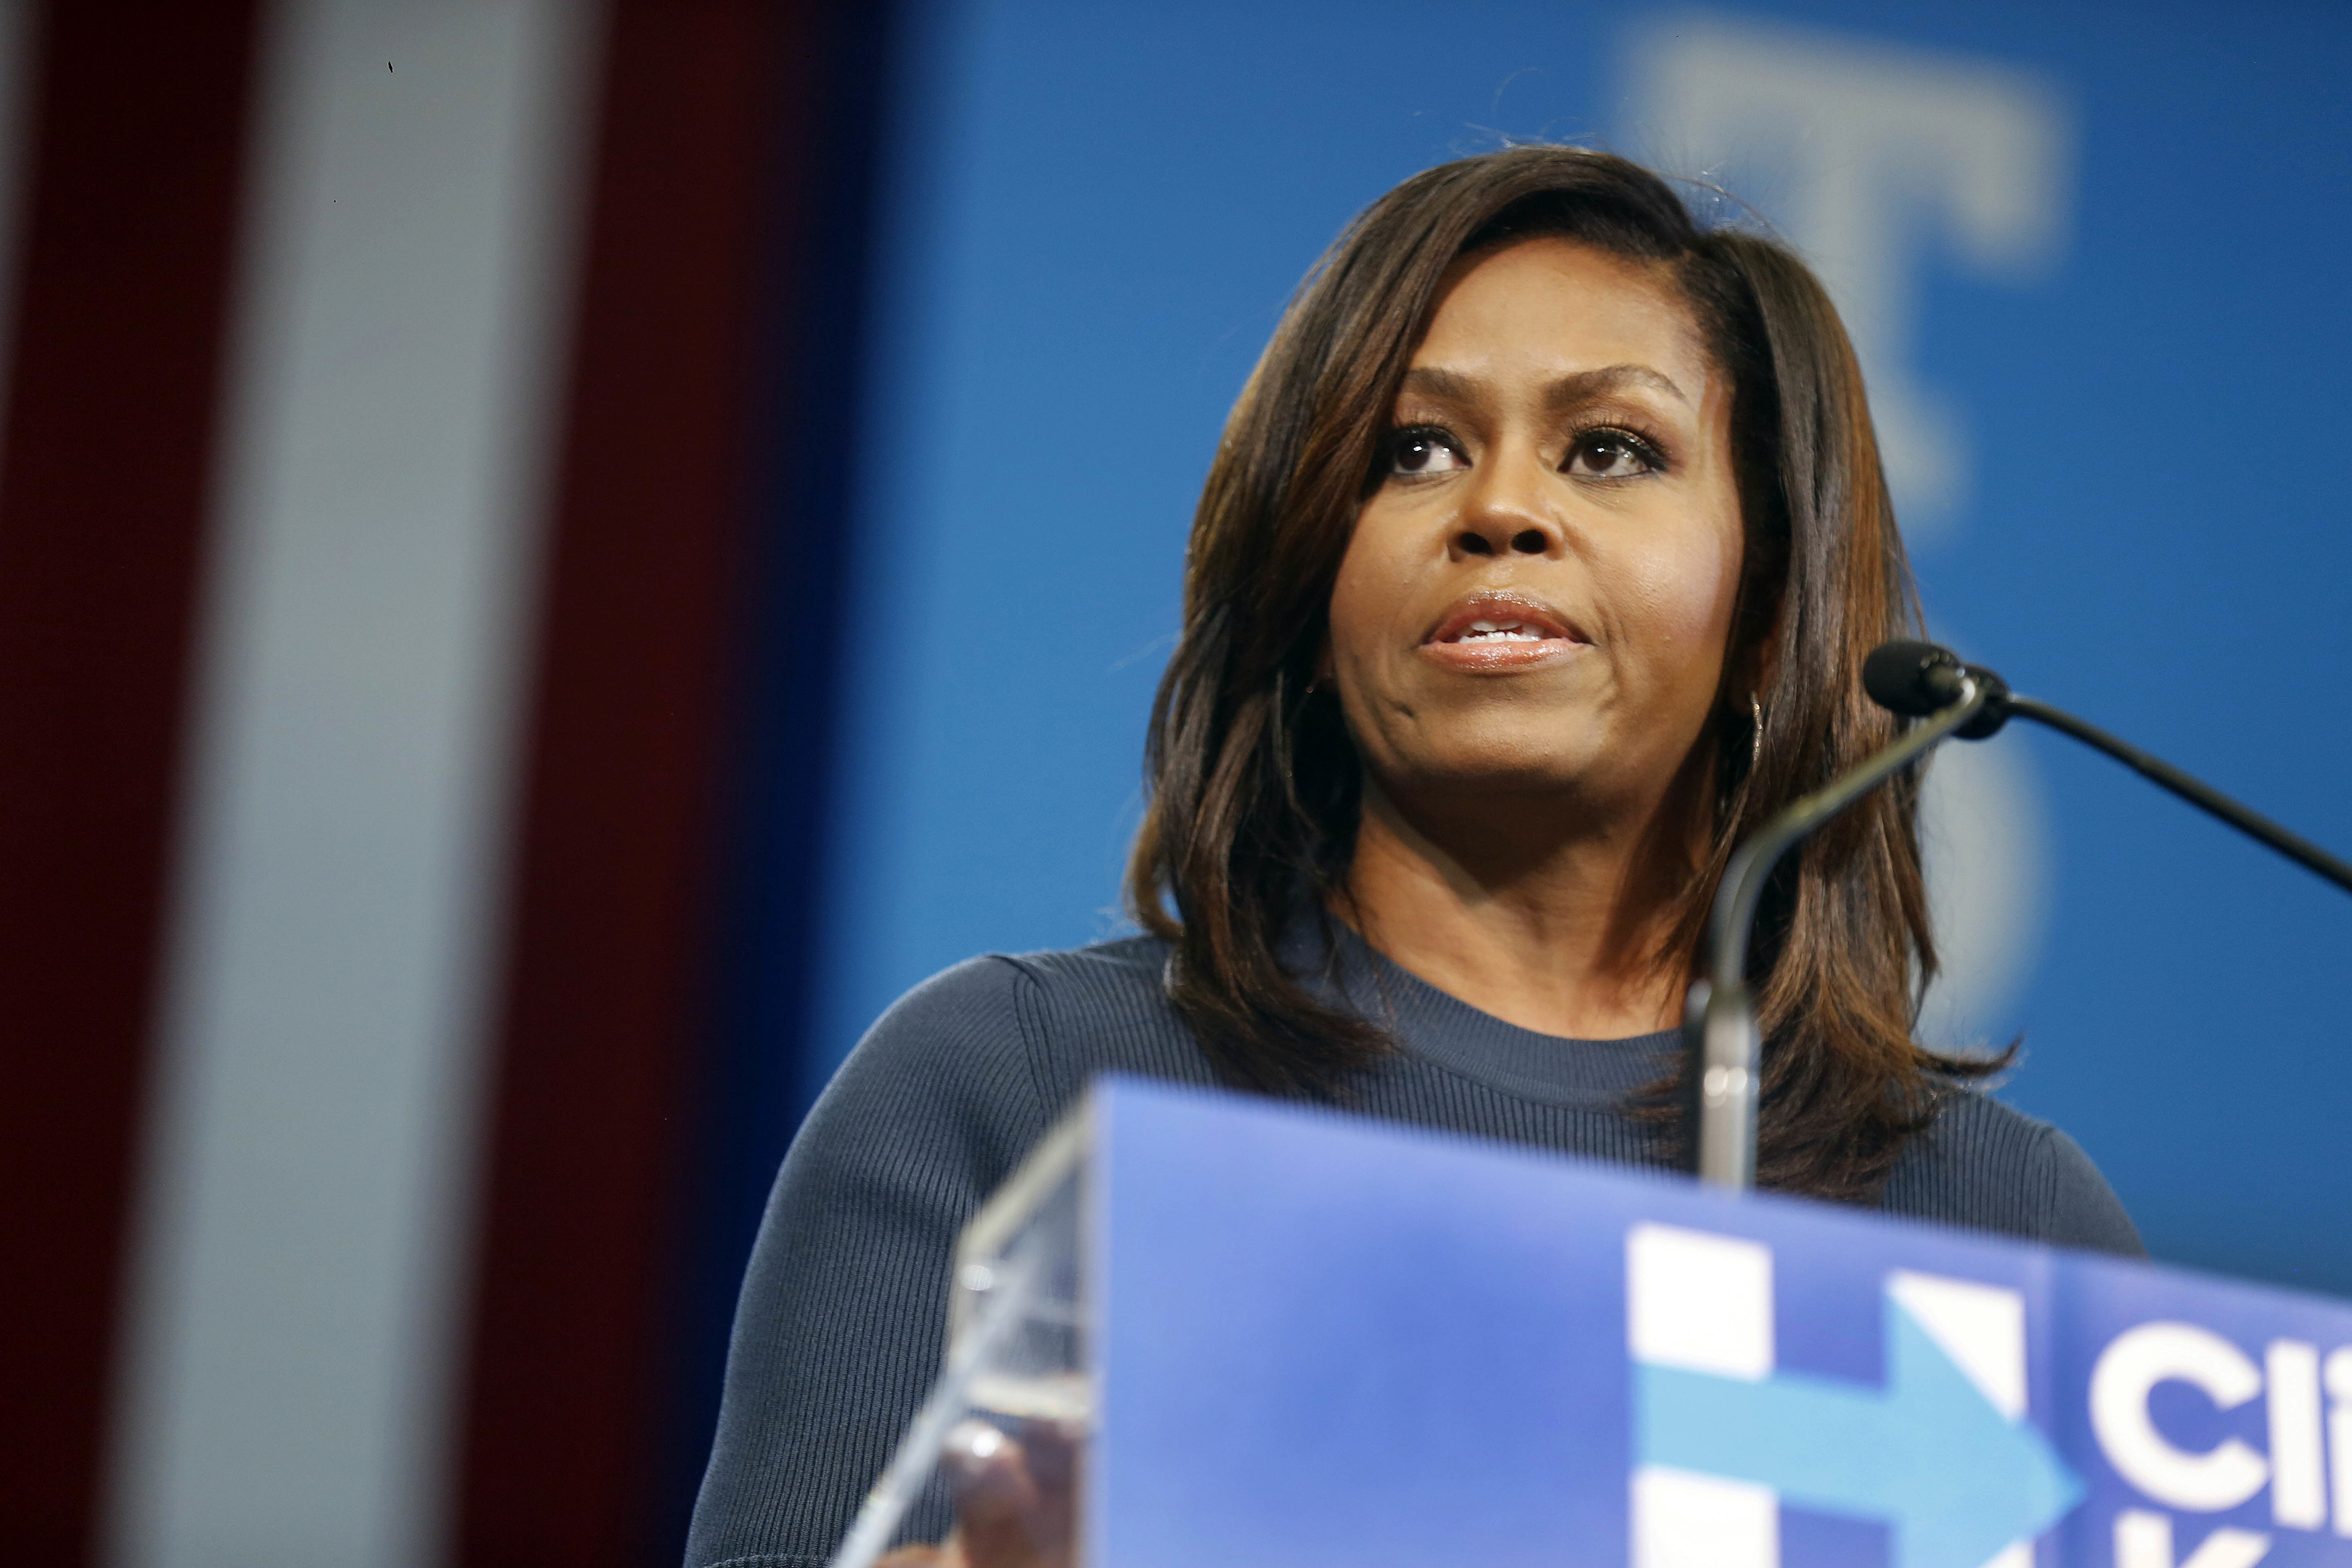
[
  {"x": 1612, "y": 454},
  {"x": 1423, "y": 452}
]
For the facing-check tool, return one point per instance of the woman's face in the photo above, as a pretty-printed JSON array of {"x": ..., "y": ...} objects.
[{"x": 1537, "y": 595}]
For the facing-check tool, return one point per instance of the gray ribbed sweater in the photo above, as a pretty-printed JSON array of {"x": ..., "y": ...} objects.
[{"x": 839, "y": 1331}]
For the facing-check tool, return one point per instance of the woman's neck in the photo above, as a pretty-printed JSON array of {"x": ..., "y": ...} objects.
[{"x": 1524, "y": 913}]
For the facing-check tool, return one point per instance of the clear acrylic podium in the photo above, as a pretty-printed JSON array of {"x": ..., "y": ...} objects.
[
  {"x": 1016, "y": 1368},
  {"x": 1234, "y": 1333}
]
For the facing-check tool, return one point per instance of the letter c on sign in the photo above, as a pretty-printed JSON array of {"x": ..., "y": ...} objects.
[{"x": 2132, "y": 1365}]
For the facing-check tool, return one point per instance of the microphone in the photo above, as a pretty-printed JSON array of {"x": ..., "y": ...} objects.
[
  {"x": 1914, "y": 677},
  {"x": 1723, "y": 1051},
  {"x": 1914, "y": 680}
]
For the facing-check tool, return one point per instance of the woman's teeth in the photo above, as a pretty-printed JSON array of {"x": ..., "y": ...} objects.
[{"x": 1499, "y": 631}]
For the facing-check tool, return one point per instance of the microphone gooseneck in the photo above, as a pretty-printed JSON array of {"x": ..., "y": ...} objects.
[
  {"x": 1906, "y": 678},
  {"x": 1723, "y": 1050},
  {"x": 1723, "y": 1072}
]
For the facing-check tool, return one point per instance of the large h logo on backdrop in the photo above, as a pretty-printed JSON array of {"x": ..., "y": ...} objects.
[{"x": 1940, "y": 1451}]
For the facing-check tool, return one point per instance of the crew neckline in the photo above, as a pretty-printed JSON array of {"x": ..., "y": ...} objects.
[{"x": 1441, "y": 1028}]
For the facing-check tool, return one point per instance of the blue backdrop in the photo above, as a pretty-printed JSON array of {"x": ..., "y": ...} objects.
[{"x": 2094, "y": 256}]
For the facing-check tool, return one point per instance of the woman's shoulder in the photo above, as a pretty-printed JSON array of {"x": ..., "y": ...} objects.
[
  {"x": 1987, "y": 1166},
  {"x": 959, "y": 1076},
  {"x": 1121, "y": 970},
  {"x": 1053, "y": 1019},
  {"x": 995, "y": 997}
]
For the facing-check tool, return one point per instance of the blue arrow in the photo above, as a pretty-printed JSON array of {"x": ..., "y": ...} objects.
[{"x": 1927, "y": 1453}]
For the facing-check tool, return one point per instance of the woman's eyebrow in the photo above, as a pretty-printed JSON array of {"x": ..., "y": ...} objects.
[
  {"x": 1584, "y": 386},
  {"x": 1587, "y": 385},
  {"x": 1444, "y": 385}
]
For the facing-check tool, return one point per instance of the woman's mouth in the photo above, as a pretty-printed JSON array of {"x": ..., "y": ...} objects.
[
  {"x": 1497, "y": 631},
  {"x": 1508, "y": 631}
]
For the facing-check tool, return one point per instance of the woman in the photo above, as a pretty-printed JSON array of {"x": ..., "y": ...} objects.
[{"x": 1534, "y": 570}]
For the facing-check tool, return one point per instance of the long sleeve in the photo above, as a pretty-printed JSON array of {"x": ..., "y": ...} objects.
[{"x": 839, "y": 1331}]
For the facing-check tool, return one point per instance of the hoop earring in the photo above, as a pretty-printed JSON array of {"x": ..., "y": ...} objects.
[{"x": 1756, "y": 734}]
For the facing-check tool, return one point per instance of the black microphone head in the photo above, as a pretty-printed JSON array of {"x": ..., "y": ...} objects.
[
  {"x": 1917, "y": 679},
  {"x": 1913, "y": 679}
]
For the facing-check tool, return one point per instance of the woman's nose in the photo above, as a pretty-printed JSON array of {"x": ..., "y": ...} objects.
[{"x": 1502, "y": 513}]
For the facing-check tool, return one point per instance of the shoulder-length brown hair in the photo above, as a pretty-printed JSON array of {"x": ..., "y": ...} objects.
[{"x": 1255, "y": 784}]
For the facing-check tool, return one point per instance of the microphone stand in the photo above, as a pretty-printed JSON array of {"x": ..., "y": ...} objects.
[
  {"x": 1723, "y": 1073},
  {"x": 2253, "y": 824},
  {"x": 1918, "y": 678}
]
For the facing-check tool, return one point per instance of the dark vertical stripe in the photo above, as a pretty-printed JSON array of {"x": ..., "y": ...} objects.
[
  {"x": 612, "y": 904},
  {"x": 806, "y": 453},
  {"x": 137, "y": 125}
]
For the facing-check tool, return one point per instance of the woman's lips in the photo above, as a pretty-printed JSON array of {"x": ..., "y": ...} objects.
[{"x": 1502, "y": 631}]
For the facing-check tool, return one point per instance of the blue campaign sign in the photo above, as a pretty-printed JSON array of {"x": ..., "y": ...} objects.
[{"x": 1322, "y": 1339}]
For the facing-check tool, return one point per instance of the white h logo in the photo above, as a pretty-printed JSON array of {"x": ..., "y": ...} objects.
[{"x": 1699, "y": 1302}]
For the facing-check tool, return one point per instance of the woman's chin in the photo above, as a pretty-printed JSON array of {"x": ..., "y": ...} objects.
[{"x": 1503, "y": 772}]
